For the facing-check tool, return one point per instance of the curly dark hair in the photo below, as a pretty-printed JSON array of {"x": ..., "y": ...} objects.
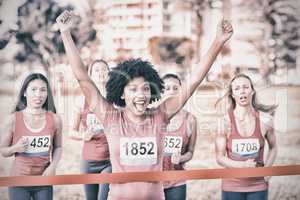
[{"x": 124, "y": 72}]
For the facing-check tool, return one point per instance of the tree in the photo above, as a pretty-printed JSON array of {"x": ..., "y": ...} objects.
[
  {"x": 282, "y": 27},
  {"x": 37, "y": 36}
]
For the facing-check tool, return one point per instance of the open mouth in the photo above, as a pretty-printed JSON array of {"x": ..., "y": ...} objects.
[
  {"x": 243, "y": 98},
  {"x": 140, "y": 105}
]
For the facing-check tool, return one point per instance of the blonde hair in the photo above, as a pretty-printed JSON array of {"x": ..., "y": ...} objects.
[{"x": 255, "y": 104}]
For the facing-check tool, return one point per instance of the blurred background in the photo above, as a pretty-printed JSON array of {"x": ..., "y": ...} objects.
[{"x": 173, "y": 35}]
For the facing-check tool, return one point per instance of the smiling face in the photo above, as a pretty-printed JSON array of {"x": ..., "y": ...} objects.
[
  {"x": 242, "y": 91},
  {"x": 137, "y": 96},
  {"x": 36, "y": 93},
  {"x": 172, "y": 86}
]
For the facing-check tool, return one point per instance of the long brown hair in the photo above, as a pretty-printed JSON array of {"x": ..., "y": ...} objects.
[
  {"x": 22, "y": 101},
  {"x": 255, "y": 104}
]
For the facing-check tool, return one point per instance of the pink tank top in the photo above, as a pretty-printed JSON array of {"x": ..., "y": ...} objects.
[
  {"x": 241, "y": 149},
  {"x": 135, "y": 147},
  {"x": 97, "y": 147},
  {"x": 37, "y": 156},
  {"x": 176, "y": 140}
]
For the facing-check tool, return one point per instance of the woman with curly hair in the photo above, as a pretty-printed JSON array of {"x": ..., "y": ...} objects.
[{"x": 134, "y": 132}]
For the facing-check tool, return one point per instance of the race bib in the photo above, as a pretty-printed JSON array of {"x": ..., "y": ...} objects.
[
  {"x": 38, "y": 144},
  {"x": 245, "y": 147},
  {"x": 93, "y": 123},
  {"x": 138, "y": 151},
  {"x": 172, "y": 144}
]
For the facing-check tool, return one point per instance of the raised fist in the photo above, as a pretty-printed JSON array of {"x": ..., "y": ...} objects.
[
  {"x": 65, "y": 20},
  {"x": 224, "y": 31}
]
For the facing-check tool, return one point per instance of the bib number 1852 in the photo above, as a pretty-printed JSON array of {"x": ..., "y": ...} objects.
[{"x": 138, "y": 151}]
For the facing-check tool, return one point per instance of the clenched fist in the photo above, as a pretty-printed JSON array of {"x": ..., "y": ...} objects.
[
  {"x": 65, "y": 20},
  {"x": 176, "y": 158},
  {"x": 224, "y": 31}
]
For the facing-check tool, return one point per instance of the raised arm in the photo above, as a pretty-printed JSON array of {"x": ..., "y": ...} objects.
[
  {"x": 174, "y": 104},
  {"x": 96, "y": 101}
]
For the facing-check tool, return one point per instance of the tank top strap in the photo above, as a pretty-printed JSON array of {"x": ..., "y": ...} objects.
[
  {"x": 19, "y": 123},
  {"x": 232, "y": 123},
  {"x": 50, "y": 122},
  {"x": 257, "y": 132}
]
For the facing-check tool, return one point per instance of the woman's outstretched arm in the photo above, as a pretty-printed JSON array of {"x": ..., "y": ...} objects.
[
  {"x": 173, "y": 104},
  {"x": 95, "y": 100}
]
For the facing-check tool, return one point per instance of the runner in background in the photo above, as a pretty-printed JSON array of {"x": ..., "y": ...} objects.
[
  {"x": 247, "y": 127},
  {"x": 95, "y": 152},
  {"x": 134, "y": 132},
  {"x": 33, "y": 136},
  {"x": 179, "y": 142}
]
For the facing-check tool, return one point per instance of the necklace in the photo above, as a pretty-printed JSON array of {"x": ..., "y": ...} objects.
[{"x": 34, "y": 111}]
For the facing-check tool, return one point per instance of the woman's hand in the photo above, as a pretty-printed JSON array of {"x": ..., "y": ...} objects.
[
  {"x": 224, "y": 31},
  {"x": 49, "y": 171},
  {"x": 176, "y": 158},
  {"x": 21, "y": 146},
  {"x": 65, "y": 20}
]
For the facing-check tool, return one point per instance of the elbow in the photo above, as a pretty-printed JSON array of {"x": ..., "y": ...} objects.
[
  {"x": 57, "y": 153},
  {"x": 188, "y": 156},
  {"x": 4, "y": 154},
  {"x": 58, "y": 148}
]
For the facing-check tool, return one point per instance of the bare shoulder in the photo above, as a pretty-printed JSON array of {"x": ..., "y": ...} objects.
[
  {"x": 10, "y": 121},
  {"x": 8, "y": 126}
]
